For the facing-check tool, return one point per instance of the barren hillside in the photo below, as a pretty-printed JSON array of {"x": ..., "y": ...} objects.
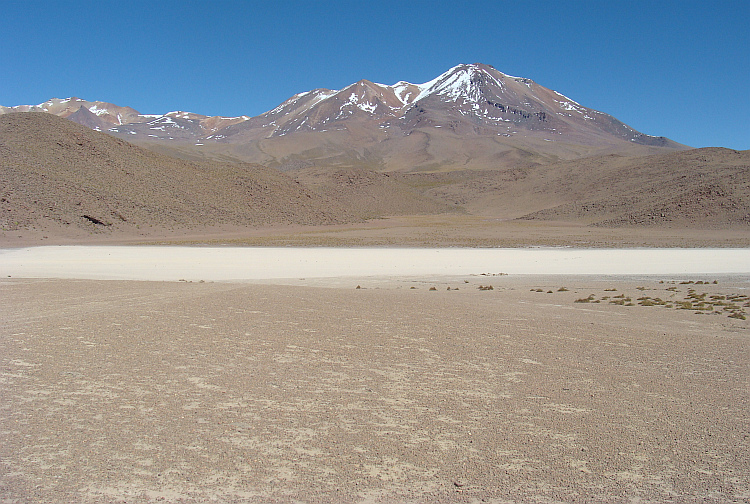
[
  {"x": 699, "y": 189},
  {"x": 57, "y": 173}
]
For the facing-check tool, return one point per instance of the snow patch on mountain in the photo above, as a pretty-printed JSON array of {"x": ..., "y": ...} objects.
[
  {"x": 362, "y": 105},
  {"x": 179, "y": 114},
  {"x": 94, "y": 109},
  {"x": 403, "y": 92}
]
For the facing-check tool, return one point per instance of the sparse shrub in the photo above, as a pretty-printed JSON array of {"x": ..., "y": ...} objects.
[
  {"x": 562, "y": 289},
  {"x": 486, "y": 287},
  {"x": 433, "y": 288},
  {"x": 622, "y": 301},
  {"x": 585, "y": 300}
]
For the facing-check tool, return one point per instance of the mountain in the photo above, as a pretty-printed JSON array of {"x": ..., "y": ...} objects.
[
  {"x": 472, "y": 116},
  {"x": 95, "y": 115},
  {"x": 467, "y": 99},
  {"x": 103, "y": 116}
]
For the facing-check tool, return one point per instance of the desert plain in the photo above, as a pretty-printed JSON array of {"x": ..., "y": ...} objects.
[{"x": 385, "y": 388}]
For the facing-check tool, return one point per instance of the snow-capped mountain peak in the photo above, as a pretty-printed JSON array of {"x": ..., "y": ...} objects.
[
  {"x": 467, "y": 100},
  {"x": 454, "y": 83}
]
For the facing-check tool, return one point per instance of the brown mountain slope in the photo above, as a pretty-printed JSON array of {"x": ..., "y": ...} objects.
[
  {"x": 359, "y": 145},
  {"x": 56, "y": 173},
  {"x": 699, "y": 188},
  {"x": 369, "y": 193}
]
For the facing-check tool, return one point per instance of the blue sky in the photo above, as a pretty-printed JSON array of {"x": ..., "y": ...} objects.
[{"x": 679, "y": 69}]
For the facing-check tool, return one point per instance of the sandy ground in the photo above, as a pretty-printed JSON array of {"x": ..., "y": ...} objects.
[
  {"x": 122, "y": 391},
  {"x": 444, "y": 230}
]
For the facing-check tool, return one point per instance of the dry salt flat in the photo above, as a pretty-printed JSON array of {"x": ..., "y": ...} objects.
[
  {"x": 419, "y": 386},
  {"x": 238, "y": 263}
]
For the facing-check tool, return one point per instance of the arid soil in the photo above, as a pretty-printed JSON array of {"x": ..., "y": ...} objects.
[
  {"x": 411, "y": 231},
  {"x": 322, "y": 392}
]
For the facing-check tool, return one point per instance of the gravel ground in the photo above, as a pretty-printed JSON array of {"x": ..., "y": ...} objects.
[{"x": 120, "y": 391}]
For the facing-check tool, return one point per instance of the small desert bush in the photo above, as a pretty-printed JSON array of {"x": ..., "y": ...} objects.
[
  {"x": 585, "y": 300},
  {"x": 622, "y": 301}
]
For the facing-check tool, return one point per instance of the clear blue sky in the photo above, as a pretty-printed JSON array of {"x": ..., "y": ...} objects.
[{"x": 679, "y": 69}]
